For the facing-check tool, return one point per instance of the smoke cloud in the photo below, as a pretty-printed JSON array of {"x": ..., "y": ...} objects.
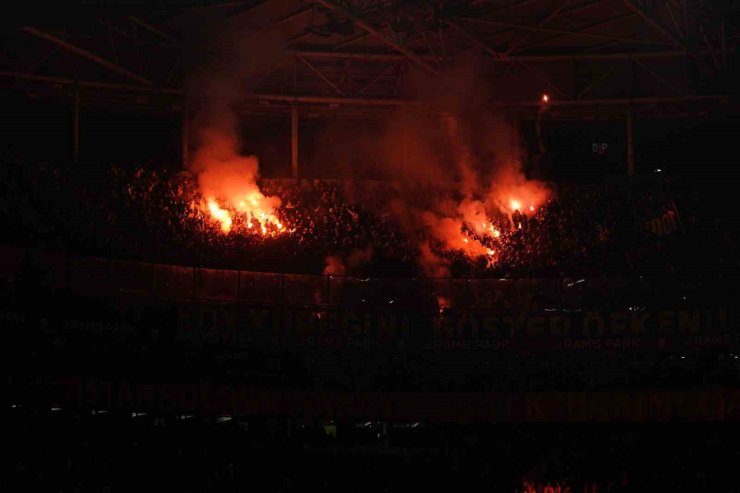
[
  {"x": 230, "y": 60},
  {"x": 467, "y": 154},
  {"x": 336, "y": 265}
]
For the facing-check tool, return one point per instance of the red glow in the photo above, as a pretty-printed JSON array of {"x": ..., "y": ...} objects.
[
  {"x": 545, "y": 98},
  {"x": 221, "y": 215},
  {"x": 253, "y": 211},
  {"x": 443, "y": 303}
]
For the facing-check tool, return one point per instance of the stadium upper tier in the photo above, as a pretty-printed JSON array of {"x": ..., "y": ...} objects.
[{"x": 659, "y": 228}]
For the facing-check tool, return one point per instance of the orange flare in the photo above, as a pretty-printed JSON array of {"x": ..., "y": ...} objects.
[
  {"x": 221, "y": 215},
  {"x": 254, "y": 206}
]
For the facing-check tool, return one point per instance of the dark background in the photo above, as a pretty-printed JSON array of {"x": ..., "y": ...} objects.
[{"x": 42, "y": 130}]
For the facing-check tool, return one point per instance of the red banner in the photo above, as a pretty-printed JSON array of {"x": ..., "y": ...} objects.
[{"x": 218, "y": 399}]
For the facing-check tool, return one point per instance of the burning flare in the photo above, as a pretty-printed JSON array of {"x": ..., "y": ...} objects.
[
  {"x": 229, "y": 183},
  {"x": 443, "y": 304},
  {"x": 220, "y": 215},
  {"x": 257, "y": 217}
]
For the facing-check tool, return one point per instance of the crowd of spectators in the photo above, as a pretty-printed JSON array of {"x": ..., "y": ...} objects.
[
  {"x": 143, "y": 213},
  {"x": 580, "y": 239}
]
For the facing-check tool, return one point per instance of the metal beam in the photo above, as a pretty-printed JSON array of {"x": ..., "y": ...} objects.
[
  {"x": 185, "y": 137},
  {"x": 503, "y": 77},
  {"x": 110, "y": 27},
  {"x": 441, "y": 36},
  {"x": 522, "y": 104},
  {"x": 35, "y": 64},
  {"x": 322, "y": 76},
  {"x": 506, "y": 8},
  {"x": 112, "y": 44},
  {"x": 348, "y": 81},
  {"x": 543, "y": 79},
  {"x": 356, "y": 55},
  {"x": 630, "y": 129},
  {"x": 220, "y": 5},
  {"x": 596, "y": 81},
  {"x": 723, "y": 43},
  {"x": 708, "y": 43},
  {"x": 290, "y": 17},
  {"x": 652, "y": 22},
  {"x": 86, "y": 54},
  {"x": 142, "y": 23},
  {"x": 299, "y": 37},
  {"x": 396, "y": 57},
  {"x": 658, "y": 76},
  {"x": 625, "y": 39},
  {"x": 87, "y": 83},
  {"x": 519, "y": 49},
  {"x": 563, "y": 13},
  {"x": 340, "y": 74},
  {"x": 675, "y": 21},
  {"x": 377, "y": 77},
  {"x": 294, "y": 142},
  {"x": 249, "y": 7},
  {"x": 76, "y": 127},
  {"x": 366, "y": 26},
  {"x": 306, "y": 99},
  {"x": 583, "y": 6},
  {"x": 556, "y": 12},
  {"x": 476, "y": 40},
  {"x": 615, "y": 101},
  {"x": 547, "y": 19},
  {"x": 436, "y": 58},
  {"x": 349, "y": 41}
]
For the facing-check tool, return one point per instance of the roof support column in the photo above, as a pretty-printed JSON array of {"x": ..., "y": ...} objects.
[
  {"x": 630, "y": 142},
  {"x": 294, "y": 143},
  {"x": 76, "y": 127},
  {"x": 185, "y": 137}
]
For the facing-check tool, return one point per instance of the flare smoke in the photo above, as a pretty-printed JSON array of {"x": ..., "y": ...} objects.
[{"x": 227, "y": 179}]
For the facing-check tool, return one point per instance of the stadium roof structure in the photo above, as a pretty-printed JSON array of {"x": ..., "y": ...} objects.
[{"x": 590, "y": 56}]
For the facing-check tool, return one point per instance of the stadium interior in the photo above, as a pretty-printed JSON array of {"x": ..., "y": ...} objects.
[{"x": 371, "y": 245}]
